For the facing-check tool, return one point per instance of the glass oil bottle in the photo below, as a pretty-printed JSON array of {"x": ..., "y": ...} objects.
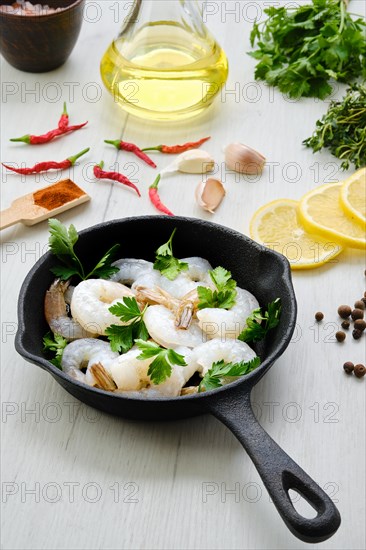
[{"x": 165, "y": 64}]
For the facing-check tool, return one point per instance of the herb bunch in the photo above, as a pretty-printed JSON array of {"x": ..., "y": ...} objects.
[
  {"x": 300, "y": 49},
  {"x": 343, "y": 128}
]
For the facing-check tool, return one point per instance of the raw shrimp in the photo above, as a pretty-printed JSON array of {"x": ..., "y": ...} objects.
[
  {"x": 231, "y": 351},
  {"x": 87, "y": 353},
  {"x": 223, "y": 323},
  {"x": 55, "y": 310},
  {"x": 91, "y": 301},
  {"x": 196, "y": 275},
  {"x": 160, "y": 323},
  {"x": 130, "y": 374},
  {"x": 130, "y": 269}
]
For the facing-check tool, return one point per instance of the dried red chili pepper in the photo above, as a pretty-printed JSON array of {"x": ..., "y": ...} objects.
[
  {"x": 49, "y": 165},
  {"x": 155, "y": 199},
  {"x": 115, "y": 176},
  {"x": 132, "y": 148},
  {"x": 64, "y": 119},
  {"x": 174, "y": 149},
  {"x": 49, "y": 136}
]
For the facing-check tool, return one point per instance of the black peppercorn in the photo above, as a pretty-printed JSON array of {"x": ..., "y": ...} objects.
[
  {"x": 357, "y": 314},
  {"x": 345, "y": 325},
  {"x": 344, "y": 311},
  {"x": 356, "y": 334},
  {"x": 348, "y": 367},
  {"x": 319, "y": 316},
  {"x": 359, "y": 304},
  {"x": 341, "y": 336},
  {"x": 360, "y": 324},
  {"x": 360, "y": 370}
]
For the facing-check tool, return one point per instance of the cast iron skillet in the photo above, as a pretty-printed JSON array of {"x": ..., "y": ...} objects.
[{"x": 264, "y": 273}]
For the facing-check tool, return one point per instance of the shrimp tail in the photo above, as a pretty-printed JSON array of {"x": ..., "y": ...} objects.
[
  {"x": 103, "y": 379},
  {"x": 184, "y": 315}
]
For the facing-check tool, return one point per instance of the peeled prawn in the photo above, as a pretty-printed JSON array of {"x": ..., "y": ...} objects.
[
  {"x": 94, "y": 355},
  {"x": 91, "y": 301},
  {"x": 231, "y": 351},
  {"x": 55, "y": 310},
  {"x": 196, "y": 275},
  {"x": 130, "y": 374},
  {"x": 130, "y": 269},
  {"x": 160, "y": 323},
  {"x": 223, "y": 323}
]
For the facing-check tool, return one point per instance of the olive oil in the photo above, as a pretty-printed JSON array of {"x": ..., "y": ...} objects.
[{"x": 166, "y": 72}]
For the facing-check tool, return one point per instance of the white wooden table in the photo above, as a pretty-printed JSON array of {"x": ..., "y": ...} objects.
[{"x": 76, "y": 478}]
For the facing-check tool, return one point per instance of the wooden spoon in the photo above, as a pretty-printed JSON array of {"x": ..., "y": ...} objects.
[{"x": 43, "y": 204}]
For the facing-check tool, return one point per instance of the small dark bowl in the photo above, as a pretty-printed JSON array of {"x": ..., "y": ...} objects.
[{"x": 42, "y": 42}]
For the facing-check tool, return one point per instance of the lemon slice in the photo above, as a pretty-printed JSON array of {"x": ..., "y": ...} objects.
[
  {"x": 353, "y": 196},
  {"x": 276, "y": 226},
  {"x": 321, "y": 213}
]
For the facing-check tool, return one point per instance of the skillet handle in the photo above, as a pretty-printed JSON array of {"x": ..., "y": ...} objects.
[{"x": 278, "y": 471}]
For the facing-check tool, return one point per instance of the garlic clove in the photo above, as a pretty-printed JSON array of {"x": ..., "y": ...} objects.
[
  {"x": 209, "y": 194},
  {"x": 195, "y": 161},
  {"x": 243, "y": 159}
]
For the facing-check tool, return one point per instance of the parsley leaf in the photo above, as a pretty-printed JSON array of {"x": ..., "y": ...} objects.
[
  {"x": 301, "y": 48},
  {"x": 161, "y": 367},
  {"x": 220, "y": 373},
  {"x": 343, "y": 128},
  {"x": 166, "y": 263},
  {"x": 55, "y": 344},
  {"x": 62, "y": 242},
  {"x": 225, "y": 295},
  {"x": 128, "y": 311},
  {"x": 121, "y": 338},
  {"x": 104, "y": 269},
  {"x": 259, "y": 325}
]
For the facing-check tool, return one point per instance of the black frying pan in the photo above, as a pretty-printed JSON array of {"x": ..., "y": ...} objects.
[{"x": 264, "y": 273}]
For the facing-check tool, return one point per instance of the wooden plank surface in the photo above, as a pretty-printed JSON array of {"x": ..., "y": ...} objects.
[{"x": 106, "y": 483}]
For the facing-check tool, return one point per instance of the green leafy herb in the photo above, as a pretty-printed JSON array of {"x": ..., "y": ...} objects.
[
  {"x": 166, "y": 263},
  {"x": 122, "y": 337},
  {"x": 55, "y": 344},
  {"x": 222, "y": 373},
  {"x": 258, "y": 325},
  {"x": 161, "y": 368},
  {"x": 225, "y": 295},
  {"x": 62, "y": 242},
  {"x": 343, "y": 128},
  {"x": 301, "y": 48}
]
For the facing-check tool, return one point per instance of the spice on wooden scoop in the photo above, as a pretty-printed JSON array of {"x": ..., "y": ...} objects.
[{"x": 43, "y": 204}]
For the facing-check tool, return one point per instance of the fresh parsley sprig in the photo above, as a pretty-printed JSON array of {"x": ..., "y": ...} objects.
[
  {"x": 121, "y": 338},
  {"x": 300, "y": 49},
  {"x": 258, "y": 324},
  {"x": 343, "y": 128},
  {"x": 161, "y": 368},
  {"x": 62, "y": 242},
  {"x": 222, "y": 373},
  {"x": 166, "y": 263},
  {"x": 55, "y": 344},
  {"x": 225, "y": 295}
]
